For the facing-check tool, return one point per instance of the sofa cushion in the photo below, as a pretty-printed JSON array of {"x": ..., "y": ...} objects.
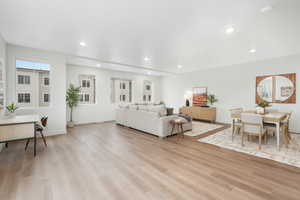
[
  {"x": 143, "y": 107},
  {"x": 161, "y": 110}
]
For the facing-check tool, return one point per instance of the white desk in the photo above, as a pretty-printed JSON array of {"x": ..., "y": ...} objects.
[{"x": 19, "y": 127}]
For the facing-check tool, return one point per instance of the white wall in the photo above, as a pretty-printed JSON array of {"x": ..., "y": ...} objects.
[
  {"x": 104, "y": 110},
  {"x": 3, "y": 58},
  {"x": 57, "y": 109},
  {"x": 234, "y": 86}
]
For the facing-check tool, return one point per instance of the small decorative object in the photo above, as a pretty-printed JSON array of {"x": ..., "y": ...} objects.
[
  {"x": 199, "y": 96},
  {"x": 72, "y": 99},
  {"x": 261, "y": 107},
  {"x": 212, "y": 99},
  {"x": 11, "y": 108},
  {"x": 187, "y": 103}
]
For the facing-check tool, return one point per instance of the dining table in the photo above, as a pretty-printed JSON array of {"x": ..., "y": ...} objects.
[{"x": 270, "y": 117}]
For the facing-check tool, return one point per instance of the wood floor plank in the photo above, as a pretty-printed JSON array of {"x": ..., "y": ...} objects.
[{"x": 106, "y": 161}]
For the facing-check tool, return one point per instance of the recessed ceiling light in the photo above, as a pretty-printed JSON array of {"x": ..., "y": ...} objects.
[
  {"x": 266, "y": 9},
  {"x": 149, "y": 73},
  {"x": 83, "y": 44},
  {"x": 179, "y": 66},
  {"x": 252, "y": 50},
  {"x": 146, "y": 59},
  {"x": 230, "y": 30},
  {"x": 98, "y": 65}
]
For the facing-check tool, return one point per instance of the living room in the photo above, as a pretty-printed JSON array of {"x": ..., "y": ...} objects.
[{"x": 149, "y": 100}]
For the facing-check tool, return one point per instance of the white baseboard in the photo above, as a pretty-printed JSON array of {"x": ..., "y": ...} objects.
[
  {"x": 96, "y": 122},
  {"x": 55, "y": 132}
]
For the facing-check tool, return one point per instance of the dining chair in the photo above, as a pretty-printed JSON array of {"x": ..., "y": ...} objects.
[
  {"x": 39, "y": 128},
  {"x": 236, "y": 122},
  {"x": 271, "y": 128},
  {"x": 252, "y": 125},
  {"x": 285, "y": 129},
  {"x": 270, "y": 110}
]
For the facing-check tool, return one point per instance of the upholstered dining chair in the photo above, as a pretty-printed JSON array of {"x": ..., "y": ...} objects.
[
  {"x": 252, "y": 125},
  {"x": 285, "y": 129},
  {"x": 271, "y": 128},
  {"x": 269, "y": 110},
  {"x": 236, "y": 122},
  {"x": 39, "y": 129}
]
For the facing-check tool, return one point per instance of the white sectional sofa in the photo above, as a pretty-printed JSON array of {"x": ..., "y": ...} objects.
[{"x": 147, "y": 118}]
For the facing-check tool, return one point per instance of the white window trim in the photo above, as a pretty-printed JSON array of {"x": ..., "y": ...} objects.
[{"x": 31, "y": 59}]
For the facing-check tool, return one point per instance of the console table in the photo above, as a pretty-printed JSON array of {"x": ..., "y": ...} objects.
[
  {"x": 19, "y": 127},
  {"x": 201, "y": 113}
]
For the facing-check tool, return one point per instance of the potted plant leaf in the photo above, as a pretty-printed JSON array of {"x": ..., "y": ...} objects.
[
  {"x": 261, "y": 107},
  {"x": 11, "y": 108},
  {"x": 211, "y": 99},
  {"x": 72, "y": 99}
]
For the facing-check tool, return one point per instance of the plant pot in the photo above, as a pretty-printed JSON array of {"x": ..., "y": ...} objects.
[
  {"x": 260, "y": 110},
  {"x": 10, "y": 115},
  {"x": 70, "y": 124}
]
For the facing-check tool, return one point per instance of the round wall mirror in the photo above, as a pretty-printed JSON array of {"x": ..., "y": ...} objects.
[
  {"x": 265, "y": 89},
  {"x": 276, "y": 89}
]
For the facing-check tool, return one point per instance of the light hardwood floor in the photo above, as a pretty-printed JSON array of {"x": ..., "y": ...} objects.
[{"x": 105, "y": 161}]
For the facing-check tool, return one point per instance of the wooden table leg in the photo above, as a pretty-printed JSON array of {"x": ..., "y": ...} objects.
[
  {"x": 278, "y": 135},
  {"x": 173, "y": 124},
  {"x": 34, "y": 140},
  {"x": 233, "y": 131},
  {"x": 182, "y": 130}
]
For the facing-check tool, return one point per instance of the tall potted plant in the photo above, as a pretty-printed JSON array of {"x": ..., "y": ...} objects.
[
  {"x": 72, "y": 99},
  {"x": 212, "y": 99}
]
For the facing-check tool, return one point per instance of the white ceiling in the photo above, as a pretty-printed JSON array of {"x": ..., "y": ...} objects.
[{"x": 190, "y": 33}]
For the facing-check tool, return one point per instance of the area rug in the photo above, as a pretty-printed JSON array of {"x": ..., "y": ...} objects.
[
  {"x": 290, "y": 155},
  {"x": 201, "y": 128}
]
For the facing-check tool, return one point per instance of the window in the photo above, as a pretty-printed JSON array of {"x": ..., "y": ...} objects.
[
  {"x": 31, "y": 79},
  {"x": 147, "y": 91},
  {"x": 88, "y": 89},
  {"x": 23, "y": 98},
  {"x": 46, "y": 81},
  {"x": 22, "y": 79},
  {"x": 46, "y": 98},
  {"x": 121, "y": 90},
  {"x": 85, "y": 83},
  {"x": 86, "y": 97}
]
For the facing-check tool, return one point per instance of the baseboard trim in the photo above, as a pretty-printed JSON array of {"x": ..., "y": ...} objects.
[
  {"x": 91, "y": 123},
  {"x": 55, "y": 132}
]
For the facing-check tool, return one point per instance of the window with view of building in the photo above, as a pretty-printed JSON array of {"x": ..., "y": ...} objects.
[
  {"x": 87, "y": 89},
  {"x": 46, "y": 81},
  {"x": 23, "y": 97},
  {"x": 121, "y": 90},
  {"x": 147, "y": 91},
  {"x": 32, "y": 83},
  {"x": 46, "y": 98},
  {"x": 23, "y": 79}
]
